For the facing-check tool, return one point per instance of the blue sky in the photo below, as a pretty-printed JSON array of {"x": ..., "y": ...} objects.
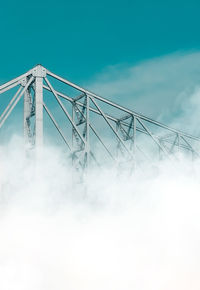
[
  {"x": 142, "y": 54},
  {"x": 79, "y": 39}
]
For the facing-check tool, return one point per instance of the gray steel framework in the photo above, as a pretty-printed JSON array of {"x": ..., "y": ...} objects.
[{"x": 132, "y": 133}]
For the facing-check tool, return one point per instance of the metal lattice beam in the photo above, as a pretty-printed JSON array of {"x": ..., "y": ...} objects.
[{"x": 92, "y": 118}]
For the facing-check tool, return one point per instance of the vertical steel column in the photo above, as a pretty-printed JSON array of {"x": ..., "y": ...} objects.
[
  {"x": 134, "y": 141},
  {"x": 73, "y": 137},
  {"x": 27, "y": 113},
  {"x": 73, "y": 114},
  {"x": 39, "y": 73},
  {"x": 134, "y": 135},
  {"x": 87, "y": 137},
  {"x": 118, "y": 143},
  {"x": 38, "y": 111}
]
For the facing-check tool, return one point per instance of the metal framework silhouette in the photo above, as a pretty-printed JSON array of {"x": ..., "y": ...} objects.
[{"x": 126, "y": 137}]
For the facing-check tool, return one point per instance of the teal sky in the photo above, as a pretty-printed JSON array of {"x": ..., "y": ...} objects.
[
  {"x": 78, "y": 39},
  {"x": 144, "y": 55}
]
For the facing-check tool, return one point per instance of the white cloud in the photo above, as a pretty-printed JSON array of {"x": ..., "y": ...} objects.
[
  {"x": 128, "y": 232},
  {"x": 160, "y": 88}
]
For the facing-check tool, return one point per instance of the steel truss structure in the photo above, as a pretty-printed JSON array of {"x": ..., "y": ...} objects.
[{"x": 133, "y": 136}]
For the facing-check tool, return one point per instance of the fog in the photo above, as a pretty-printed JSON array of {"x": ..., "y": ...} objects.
[{"x": 117, "y": 232}]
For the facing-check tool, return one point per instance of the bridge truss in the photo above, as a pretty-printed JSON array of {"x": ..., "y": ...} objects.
[{"x": 96, "y": 129}]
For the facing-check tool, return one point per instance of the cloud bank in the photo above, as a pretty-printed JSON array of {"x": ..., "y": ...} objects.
[
  {"x": 123, "y": 232},
  {"x": 165, "y": 88}
]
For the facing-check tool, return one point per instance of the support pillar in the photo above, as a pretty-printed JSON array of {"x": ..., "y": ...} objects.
[
  {"x": 39, "y": 73},
  {"x": 87, "y": 145},
  {"x": 38, "y": 111},
  {"x": 27, "y": 114}
]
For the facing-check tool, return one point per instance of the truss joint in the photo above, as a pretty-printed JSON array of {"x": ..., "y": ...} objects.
[{"x": 39, "y": 71}]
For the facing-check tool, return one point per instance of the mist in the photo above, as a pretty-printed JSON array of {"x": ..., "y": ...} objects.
[{"x": 119, "y": 231}]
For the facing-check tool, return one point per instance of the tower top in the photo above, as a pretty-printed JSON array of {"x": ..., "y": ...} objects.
[{"x": 39, "y": 71}]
